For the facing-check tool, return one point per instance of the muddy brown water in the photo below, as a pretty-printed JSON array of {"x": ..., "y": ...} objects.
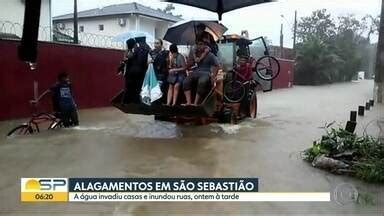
[{"x": 112, "y": 144}]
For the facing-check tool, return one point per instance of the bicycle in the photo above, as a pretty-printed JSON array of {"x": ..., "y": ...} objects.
[
  {"x": 235, "y": 91},
  {"x": 32, "y": 125},
  {"x": 267, "y": 67}
]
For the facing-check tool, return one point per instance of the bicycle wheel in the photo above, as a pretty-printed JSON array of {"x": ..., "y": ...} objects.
[
  {"x": 253, "y": 105},
  {"x": 234, "y": 91},
  {"x": 267, "y": 68},
  {"x": 20, "y": 130}
]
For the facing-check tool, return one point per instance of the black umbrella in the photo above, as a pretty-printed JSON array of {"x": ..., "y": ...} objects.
[
  {"x": 219, "y": 6},
  {"x": 184, "y": 32}
]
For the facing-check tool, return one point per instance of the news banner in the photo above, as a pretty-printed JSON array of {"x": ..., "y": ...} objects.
[{"x": 154, "y": 189}]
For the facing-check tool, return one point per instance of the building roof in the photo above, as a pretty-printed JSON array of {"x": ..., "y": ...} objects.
[{"x": 120, "y": 9}]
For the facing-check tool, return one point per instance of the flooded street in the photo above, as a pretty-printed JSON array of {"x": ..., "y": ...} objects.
[{"x": 112, "y": 144}]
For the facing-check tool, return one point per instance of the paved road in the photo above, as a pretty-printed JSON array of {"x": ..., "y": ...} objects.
[{"x": 109, "y": 143}]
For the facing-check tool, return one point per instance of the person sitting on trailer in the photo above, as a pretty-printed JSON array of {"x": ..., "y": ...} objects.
[
  {"x": 211, "y": 45},
  {"x": 176, "y": 74},
  {"x": 201, "y": 75},
  {"x": 202, "y": 33}
]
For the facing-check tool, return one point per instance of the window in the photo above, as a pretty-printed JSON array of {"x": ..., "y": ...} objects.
[
  {"x": 101, "y": 27},
  {"x": 81, "y": 29},
  {"x": 227, "y": 56},
  {"x": 61, "y": 26},
  {"x": 122, "y": 22},
  {"x": 257, "y": 48}
]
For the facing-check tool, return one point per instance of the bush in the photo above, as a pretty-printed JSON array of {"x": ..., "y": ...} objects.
[{"x": 363, "y": 154}]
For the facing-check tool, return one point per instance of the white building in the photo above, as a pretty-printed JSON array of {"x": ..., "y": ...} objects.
[
  {"x": 116, "y": 19},
  {"x": 12, "y": 18}
]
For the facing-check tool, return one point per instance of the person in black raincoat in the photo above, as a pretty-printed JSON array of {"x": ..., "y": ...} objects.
[{"x": 136, "y": 64}]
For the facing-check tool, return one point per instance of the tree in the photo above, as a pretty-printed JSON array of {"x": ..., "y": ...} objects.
[
  {"x": 350, "y": 45},
  {"x": 373, "y": 23},
  {"x": 339, "y": 47},
  {"x": 320, "y": 23},
  {"x": 168, "y": 10},
  {"x": 315, "y": 62},
  {"x": 349, "y": 23}
]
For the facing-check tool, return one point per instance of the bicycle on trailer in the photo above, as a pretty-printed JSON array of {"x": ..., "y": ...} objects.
[
  {"x": 247, "y": 74},
  {"x": 236, "y": 91}
]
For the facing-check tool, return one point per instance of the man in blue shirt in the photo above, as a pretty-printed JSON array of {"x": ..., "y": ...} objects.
[{"x": 63, "y": 103}]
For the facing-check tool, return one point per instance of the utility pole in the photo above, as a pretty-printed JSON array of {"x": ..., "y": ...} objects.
[
  {"x": 379, "y": 75},
  {"x": 75, "y": 23},
  {"x": 294, "y": 34},
  {"x": 282, "y": 41}
]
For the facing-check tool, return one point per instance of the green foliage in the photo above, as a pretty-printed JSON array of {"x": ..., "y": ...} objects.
[
  {"x": 331, "y": 51},
  {"x": 373, "y": 24},
  {"x": 365, "y": 153},
  {"x": 366, "y": 199},
  {"x": 371, "y": 170},
  {"x": 169, "y": 10},
  {"x": 319, "y": 24},
  {"x": 316, "y": 63}
]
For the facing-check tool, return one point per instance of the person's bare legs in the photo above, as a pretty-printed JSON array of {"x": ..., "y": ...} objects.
[
  {"x": 170, "y": 94},
  {"x": 236, "y": 108},
  {"x": 188, "y": 97},
  {"x": 197, "y": 99},
  {"x": 219, "y": 94},
  {"x": 175, "y": 93}
]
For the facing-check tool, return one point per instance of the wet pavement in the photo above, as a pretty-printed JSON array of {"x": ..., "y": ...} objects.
[{"x": 111, "y": 144}]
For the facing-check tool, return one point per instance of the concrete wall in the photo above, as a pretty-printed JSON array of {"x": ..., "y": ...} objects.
[
  {"x": 161, "y": 28},
  {"x": 147, "y": 25},
  {"x": 111, "y": 26},
  {"x": 13, "y": 12}
]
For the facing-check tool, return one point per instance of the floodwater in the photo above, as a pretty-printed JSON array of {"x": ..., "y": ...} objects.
[{"x": 112, "y": 144}]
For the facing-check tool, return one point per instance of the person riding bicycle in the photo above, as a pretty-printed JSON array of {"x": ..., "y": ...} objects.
[{"x": 63, "y": 103}]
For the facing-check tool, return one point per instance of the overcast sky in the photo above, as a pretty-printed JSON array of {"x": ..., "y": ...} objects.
[{"x": 259, "y": 20}]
